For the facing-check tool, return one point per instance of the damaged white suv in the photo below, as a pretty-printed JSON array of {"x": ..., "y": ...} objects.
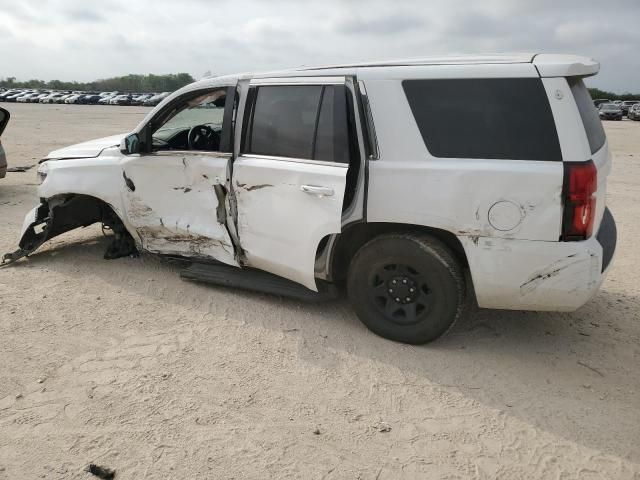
[{"x": 392, "y": 179}]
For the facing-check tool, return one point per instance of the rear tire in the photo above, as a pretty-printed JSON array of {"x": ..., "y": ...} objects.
[{"x": 406, "y": 287}]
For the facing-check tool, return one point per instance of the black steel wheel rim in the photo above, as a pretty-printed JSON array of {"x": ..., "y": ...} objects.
[{"x": 401, "y": 293}]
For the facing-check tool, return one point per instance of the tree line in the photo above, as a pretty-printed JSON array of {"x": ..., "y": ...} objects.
[
  {"x": 127, "y": 83},
  {"x": 597, "y": 93}
]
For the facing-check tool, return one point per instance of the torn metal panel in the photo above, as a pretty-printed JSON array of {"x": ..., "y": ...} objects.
[
  {"x": 61, "y": 214},
  {"x": 177, "y": 205}
]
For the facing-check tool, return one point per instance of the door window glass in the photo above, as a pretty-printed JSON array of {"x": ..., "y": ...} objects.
[
  {"x": 194, "y": 124},
  {"x": 300, "y": 121},
  {"x": 332, "y": 137},
  {"x": 284, "y": 121}
]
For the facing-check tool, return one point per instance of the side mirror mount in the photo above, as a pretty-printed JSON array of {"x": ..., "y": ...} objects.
[{"x": 130, "y": 144}]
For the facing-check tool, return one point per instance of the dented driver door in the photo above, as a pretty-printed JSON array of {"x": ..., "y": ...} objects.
[
  {"x": 174, "y": 195},
  {"x": 175, "y": 203}
]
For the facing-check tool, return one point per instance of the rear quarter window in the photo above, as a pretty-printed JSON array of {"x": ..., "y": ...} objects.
[
  {"x": 588, "y": 113},
  {"x": 485, "y": 118}
]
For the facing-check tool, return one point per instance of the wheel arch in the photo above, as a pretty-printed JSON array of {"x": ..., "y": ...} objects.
[
  {"x": 338, "y": 250},
  {"x": 61, "y": 213},
  {"x": 84, "y": 208}
]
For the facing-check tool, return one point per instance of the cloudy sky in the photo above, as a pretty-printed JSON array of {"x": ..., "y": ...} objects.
[{"x": 85, "y": 40}]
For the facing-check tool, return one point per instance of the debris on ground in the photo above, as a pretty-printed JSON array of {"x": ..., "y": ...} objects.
[
  {"x": 383, "y": 427},
  {"x": 23, "y": 168},
  {"x": 594, "y": 370},
  {"x": 101, "y": 472}
]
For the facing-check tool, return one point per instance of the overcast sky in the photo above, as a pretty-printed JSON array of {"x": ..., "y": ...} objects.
[{"x": 84, "y": 40}]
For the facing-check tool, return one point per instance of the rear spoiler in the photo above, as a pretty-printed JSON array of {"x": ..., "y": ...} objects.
[{"x": 552, "y": 65}]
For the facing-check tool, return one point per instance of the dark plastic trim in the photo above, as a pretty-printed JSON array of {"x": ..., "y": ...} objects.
[
  {"x": 4, "y": 122},
  {"x": 607, "y": 237}
]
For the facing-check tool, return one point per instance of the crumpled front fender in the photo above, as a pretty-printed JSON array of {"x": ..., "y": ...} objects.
[
  {"x": 53, "y": 217},
  {"x": 35, "y": 231}
]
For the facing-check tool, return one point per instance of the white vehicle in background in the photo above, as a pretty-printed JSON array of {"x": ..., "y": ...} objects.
[
  {"x": 155, "y": 99},
  {"x": 52, "y": 98},
  {"x": 106, "y": 99},
  {"x": 409, "y": 183},
  {"x": 39, "y": 97},
  {"x": 72, "y": 98},
  {"x": 63, "y": 98},
  {"x": 120, "y": 100},
  {"x": 26, "y": 97},
  {"x": 634, "y": 112}
]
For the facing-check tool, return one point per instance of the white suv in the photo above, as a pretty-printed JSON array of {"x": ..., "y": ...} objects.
[{"x": 392, "y": 179}]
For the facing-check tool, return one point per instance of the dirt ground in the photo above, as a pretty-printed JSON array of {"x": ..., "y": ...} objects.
[{"x": 123, "y": 364}]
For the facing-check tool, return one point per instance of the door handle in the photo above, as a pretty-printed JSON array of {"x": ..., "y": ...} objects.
[{"x": 315, "y": 190}]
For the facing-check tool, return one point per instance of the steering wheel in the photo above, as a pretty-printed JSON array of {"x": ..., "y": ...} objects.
[{"x": 203, "y": 137}]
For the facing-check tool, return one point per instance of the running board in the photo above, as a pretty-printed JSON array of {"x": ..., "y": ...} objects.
[{"x": 257, "y": 281}]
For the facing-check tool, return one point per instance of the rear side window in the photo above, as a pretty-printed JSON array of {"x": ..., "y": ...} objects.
[
  {"x": 332, "y": 137},
  {"x": 299, "y": 121},
  {"x": 491, "y": 118},
  {"x": 589, "y": 113}
]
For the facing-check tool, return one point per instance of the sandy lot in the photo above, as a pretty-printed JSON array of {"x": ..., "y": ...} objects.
[{"x": 121, "y": 363}]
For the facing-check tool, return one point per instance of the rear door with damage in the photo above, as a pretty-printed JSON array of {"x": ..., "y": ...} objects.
[
  {"x": 174, "y": 190},
  {"x": 296, "y": 173}
]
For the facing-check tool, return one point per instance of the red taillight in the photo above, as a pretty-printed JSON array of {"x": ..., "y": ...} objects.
[{"x": 578, "y": 192}]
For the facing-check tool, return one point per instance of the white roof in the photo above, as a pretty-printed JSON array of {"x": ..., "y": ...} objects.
[
  {"x": 547, "y": 65},
  {"x": 444, "y": 60}
]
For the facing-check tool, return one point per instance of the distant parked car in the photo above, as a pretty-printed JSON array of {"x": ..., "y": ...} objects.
[
  {"x": 598, "y": 101},
  {"x": 26, "y": 98},
  {"x": 40, "y": 96},
  {"x": 634, "y": 112},
  {"x": 627, "y": 104},
  {"x": 121, "y": 100},
  {"x": 140, "y": 99},
  {"x": 156, "y": 99},
  {"x": 4, "y": 119},
  {"x": 62, "y": 98},
  {"x": 52, "y": 98},
  {"x": 106, "y": 99},
  {"x": 610, "y": 111},
  {"x": 15, "y": 96},
  {"x": 72, "y": 98},
  {"x": 7, "y": 93},
  {"x": 91, "y": 99}
]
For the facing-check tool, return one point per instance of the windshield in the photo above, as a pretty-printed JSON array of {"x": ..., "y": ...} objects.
[{"x": 610, "y": 107}]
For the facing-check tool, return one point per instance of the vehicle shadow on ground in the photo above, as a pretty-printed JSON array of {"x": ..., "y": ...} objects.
[{"x": 562, "y": 372}]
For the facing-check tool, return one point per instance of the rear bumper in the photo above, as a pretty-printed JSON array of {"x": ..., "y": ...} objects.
[{"x": 537, "y": 275}]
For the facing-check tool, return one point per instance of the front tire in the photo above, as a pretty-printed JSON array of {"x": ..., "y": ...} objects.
[{"x": 406, "y": 287}]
